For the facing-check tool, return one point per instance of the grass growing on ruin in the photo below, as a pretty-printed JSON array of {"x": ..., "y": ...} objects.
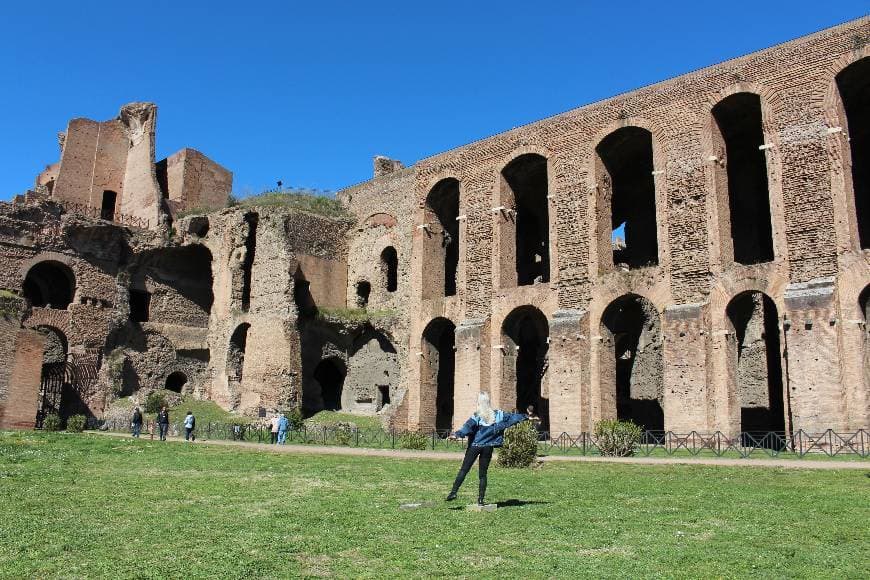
[
  {"x": 331, "y": 418},
  {"x": 94, "y": 506},
  {"x": 316, "y": 204},
  {"x": 354, "y": 314}
]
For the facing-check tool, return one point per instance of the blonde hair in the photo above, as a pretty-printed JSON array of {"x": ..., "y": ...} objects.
[{"x": 484, "y": 408}]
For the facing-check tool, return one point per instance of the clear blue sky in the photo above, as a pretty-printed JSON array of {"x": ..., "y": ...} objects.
[{"x": 309, "y": 92}]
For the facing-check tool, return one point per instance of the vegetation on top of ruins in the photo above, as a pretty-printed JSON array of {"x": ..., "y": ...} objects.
[
  {"x": 353, "y": 314},
  {"x": 10, "y": 303},
  {"x": 301, "y": 199},
  {"x": 82, "y": 505}
]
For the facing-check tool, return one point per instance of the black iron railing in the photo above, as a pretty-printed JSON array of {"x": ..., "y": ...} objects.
[{"x": 653, "y": 443}]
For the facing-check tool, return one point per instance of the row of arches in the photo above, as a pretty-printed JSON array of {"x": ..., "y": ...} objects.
[
  {"x": 630, "y": 363},
  {"x": 625, "y": 165}
]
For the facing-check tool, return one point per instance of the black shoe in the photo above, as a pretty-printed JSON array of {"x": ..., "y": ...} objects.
[
  {"x": 480, "y": 501},
  {"x": 450, "y": 496}
]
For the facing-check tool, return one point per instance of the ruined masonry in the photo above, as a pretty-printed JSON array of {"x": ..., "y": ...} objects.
[{"x": 693, "y": 255}]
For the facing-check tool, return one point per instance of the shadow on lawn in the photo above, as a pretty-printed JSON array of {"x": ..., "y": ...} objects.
[{"x": 508, "y": 503}]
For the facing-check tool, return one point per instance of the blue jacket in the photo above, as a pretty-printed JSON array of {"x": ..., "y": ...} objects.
[
  {"x": 283, "y": 424},
  {"x": 482, "y": 435}
]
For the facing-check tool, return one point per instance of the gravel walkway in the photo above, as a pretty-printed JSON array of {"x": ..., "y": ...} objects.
[{"x": 456, "y": 456}]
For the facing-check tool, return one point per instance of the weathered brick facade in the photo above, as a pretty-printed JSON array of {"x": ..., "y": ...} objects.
[{"x": 692, "y": 255}]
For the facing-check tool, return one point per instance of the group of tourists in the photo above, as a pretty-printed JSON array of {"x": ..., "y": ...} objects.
[{"x": 162, "y": 422}]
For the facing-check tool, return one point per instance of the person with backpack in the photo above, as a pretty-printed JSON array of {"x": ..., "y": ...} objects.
[
  {"x": 163, "y": 422},
  {"x": 485, "y": 431},
  {"x": 136, "y": 423},
  {"x": 189, "y": 426}
]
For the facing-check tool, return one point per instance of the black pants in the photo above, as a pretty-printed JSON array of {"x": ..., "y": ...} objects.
[
  {"x": 472, "y": 453},
  {"x": 164, "y": 427}
]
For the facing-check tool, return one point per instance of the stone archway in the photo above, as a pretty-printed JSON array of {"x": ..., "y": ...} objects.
[
  {"x": 524, "y": 341},
  {"x": 437, "y": 373}
]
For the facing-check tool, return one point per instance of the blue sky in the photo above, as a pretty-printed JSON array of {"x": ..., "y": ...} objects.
[{"x": 309, "y": 92}]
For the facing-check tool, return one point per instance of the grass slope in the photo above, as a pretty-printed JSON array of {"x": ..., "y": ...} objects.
[{"x": 95, "y": 506}]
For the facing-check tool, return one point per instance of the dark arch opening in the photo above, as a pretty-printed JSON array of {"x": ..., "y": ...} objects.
[
  {"x": 853, "y": 83},
  {"x": 49, "y": 284},
  {"x": 176, "y": 381},
  {"x": 526, "y": 178},
  {"x": 236, "y": 352},
  {"x": 754, "y": 318},
  {"x": 390, "y": 267},
  {"x": 631, "y": 365},
  {"x": 363, "y": 290},
  {"x": 441, "y": 247},
  {"x": 740, "y": 133},
  {"x": 439, "y": 368},
  {"x": 627, "y": 156},
  {"x": 525, "y": 332},
  {"x": 864, "y": 303},
  {"x": 330, "y": 374},
  {"x": 107, "y": 210}
]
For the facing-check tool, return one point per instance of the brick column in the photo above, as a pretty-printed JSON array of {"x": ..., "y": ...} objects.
[{"x": 568, "y": 372}]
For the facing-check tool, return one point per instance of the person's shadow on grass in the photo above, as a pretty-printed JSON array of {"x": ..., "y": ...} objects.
[{"x": 509, "y": 503}]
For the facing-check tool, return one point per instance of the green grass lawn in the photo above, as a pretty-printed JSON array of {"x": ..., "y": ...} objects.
[{"x": 97, "y": 506}]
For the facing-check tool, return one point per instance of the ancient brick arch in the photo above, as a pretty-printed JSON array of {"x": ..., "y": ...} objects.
[
  {"x": 437, "y": 374},
  {"x": 525, "y": 346},
  {"x": 440, "y": 242},
  {"x": 49, "y": 284},
  {"x": 631, "y": 364}
]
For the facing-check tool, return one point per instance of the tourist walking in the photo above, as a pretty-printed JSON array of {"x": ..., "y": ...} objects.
[
  {"x": 163, "y": 422},
  {"x": 136, "y": 423},
  {"x": 274, "y": 435},
  {"x": 283, "y": 426},
  {"x": 485, "y": 431},
  {"x": 189, "y": 426}
]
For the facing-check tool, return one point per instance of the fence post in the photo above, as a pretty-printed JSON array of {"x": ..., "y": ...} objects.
[
  {"x": 433, "y": 439},
  {"x": 393, "y": 437}
]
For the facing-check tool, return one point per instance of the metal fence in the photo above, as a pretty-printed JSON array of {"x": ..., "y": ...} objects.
[
  {"x": 653, "y": 443},
  {"x": 96, "y": 213}
]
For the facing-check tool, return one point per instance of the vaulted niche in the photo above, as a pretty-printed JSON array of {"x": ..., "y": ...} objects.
[
  {"x": 236, "y": 352},
  {"x": 626, "y": 200},
  {"x": 853, "y": 83},
  {"x": 440, "y": 243},
  {"x": 756, "y": 362},
  {"x": 742, "y": 179},
  {"x": 330, "y": 374},
  {"x": 525, "y": 222},
  {"x": 437, "y": 373},
  {"x": 107, "y": 210},
  {"x": 49, "y": 284},
  {"x": 631, "y": 367},
  {"x": 524, "y": 363},
  {"x": 390, "y": 268},
  {"x": 252, "y": 220}
]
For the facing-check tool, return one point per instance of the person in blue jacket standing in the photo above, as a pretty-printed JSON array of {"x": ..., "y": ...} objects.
[{"x": 485, "y": 431}]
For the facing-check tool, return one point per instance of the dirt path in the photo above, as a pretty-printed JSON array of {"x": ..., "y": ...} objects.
[{"x": 455, "y": 455}]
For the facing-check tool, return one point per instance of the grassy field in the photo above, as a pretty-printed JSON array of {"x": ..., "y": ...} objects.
[{"x": 95, "y": 506}]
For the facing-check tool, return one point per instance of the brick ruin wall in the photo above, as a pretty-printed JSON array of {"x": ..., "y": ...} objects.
[{"x": 496, "y": 261}]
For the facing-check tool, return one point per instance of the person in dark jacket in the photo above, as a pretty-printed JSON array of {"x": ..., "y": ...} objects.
[
  {"x": 136, "y": 423},
  {"x": 485, "y": 431},
  {"x": 163, "y": 422}
]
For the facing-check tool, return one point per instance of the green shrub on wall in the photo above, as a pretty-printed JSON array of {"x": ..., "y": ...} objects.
[
  {"x": 617, "y": 438},
  {"x": 520, "y": 446}
]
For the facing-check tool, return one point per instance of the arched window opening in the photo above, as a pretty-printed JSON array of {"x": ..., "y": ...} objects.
[
  {"x": 627, "y": 199},
  {"x": 741, "y": 178},
  {"x": 757, "y": 362},
  {"x": 236, "y": 352},
  {"x": 524, "y": 362},
  {"x": 390, "y": 267},
  {"x": 524, "y": 190},
  {"x": 441, "y": 241},
  {"x": 107, "y": 210},
  {"x": 631, "y": 369},
  {"x": 176, "y": 381},
  {"x": 853, "y": 83},
  {"x": 363, "y": 290},
  {"x": 252, "y": 220},
  {"x": 49, "y": 284},
  {"x": 59, "y": 391},
  {"x": 330, "y": 374},
  {"x": 437, "y": 374}
]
